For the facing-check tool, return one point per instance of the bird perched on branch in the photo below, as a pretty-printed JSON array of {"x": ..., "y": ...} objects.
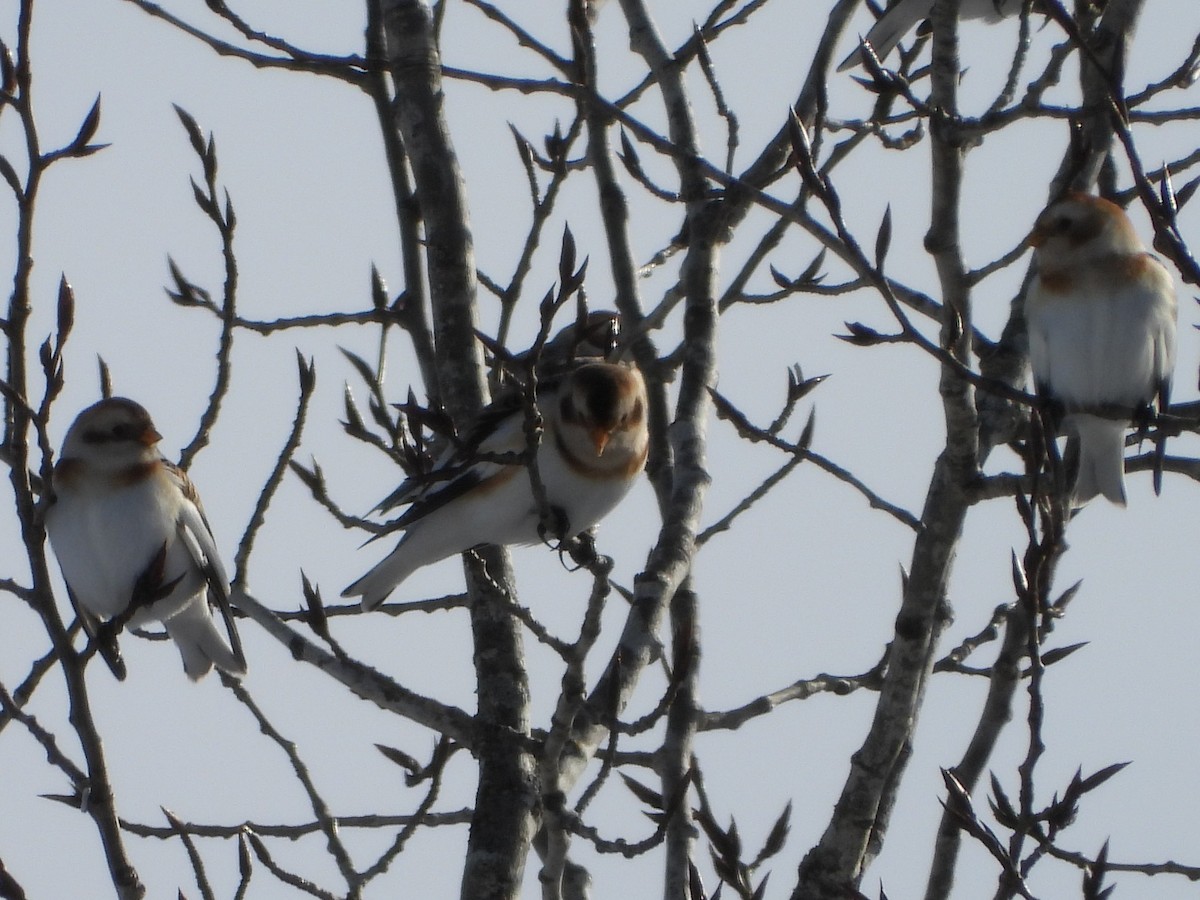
[
  {"x": 591, "y": 451},
  {"x": 133, "y": 543},
  {"x": 900, "y": 18},
  {"x": 1101, "y": 314}
]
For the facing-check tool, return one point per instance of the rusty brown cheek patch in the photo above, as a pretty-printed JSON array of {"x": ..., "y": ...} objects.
[
  {"x": 1056, "y": 282},
  {"x": 1113, "y": 270},
  {"x": 134, "y": 474},
  {"x": 67, "y": 472}
]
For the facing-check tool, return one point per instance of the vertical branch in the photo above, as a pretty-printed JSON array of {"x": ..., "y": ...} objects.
[
  {"x": 1101, "y": 73},
  {"x": 677, "y": 756},
  {"x": 506, "y": 799},
  {"x": 1026, "y": 623},
  {"x": 415, "y": 297},
  {"x": 223, "y": 218},
  {"x": 95, "y": 793},
  {"x": 698, "y": 280},
  {"x": 419, "y": 117},
  {"x": 503, "y": 821},
  {"x": 996, "y": 713},
  {"x": 554, "y": 840},
  {"x": 856, "y": 832},
  {"x": 16, "y": 414}
]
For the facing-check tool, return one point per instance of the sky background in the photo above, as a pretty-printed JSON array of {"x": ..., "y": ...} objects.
[{"x": 808, "y": 582}]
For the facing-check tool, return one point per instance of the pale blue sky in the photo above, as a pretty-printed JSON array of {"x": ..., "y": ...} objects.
[{"x": 301, "y": 159}]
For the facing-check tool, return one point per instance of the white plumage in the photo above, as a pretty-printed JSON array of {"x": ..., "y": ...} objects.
[
  {"x": 592, "y": 449},
  {"x": 120, "y": 511},
  {"x": 1101, "y": 313}
]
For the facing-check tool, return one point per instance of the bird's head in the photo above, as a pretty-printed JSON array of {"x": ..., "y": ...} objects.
[
  {"x": 1080, "y": 227},
  {"x": 608, "y": 401},
  {"x": 112, "y": 433}
]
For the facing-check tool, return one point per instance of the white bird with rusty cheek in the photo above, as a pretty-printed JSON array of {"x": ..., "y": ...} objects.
[
  {"x": 133, "y": 543},
  {"x": 900, "y": 18},
  {"x": 1101, "y": 314},
  {"x": 591, "y": 452}
]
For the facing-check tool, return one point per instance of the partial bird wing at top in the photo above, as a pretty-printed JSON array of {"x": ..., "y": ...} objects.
[
  {"x": 889, "y": 30},
  {"x": 901, "y": 17}
]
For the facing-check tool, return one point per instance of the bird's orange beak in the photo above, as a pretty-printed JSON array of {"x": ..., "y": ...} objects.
[
  {"x": 150, "y": 437},
  {"x": 600, "y": 438}
]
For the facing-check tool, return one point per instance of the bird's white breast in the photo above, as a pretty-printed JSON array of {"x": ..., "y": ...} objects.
[
  {"x": 105, "y": 537},
  {"x": 1103, "y": 342},
  {"x": 585, "y": 499}
]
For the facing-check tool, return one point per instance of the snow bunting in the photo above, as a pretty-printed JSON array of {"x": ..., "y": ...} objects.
[
  {"x": 591, "y": 451},
  {"x": 1101, "y": 316},
  {"x": 593, "y": 337},
  {"x": 899, "y": 18},
  {"x": 132, "y": 541}
]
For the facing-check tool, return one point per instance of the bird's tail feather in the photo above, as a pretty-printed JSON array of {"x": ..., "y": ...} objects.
[
  {"x": 200, "y": 643},
  {"x": 375, "y": 586},
  {"x": 888, "y": 31},
  {"x": 1101, "y": 458}
]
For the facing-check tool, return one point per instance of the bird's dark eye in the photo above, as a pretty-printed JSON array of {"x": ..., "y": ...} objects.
[{"x": 124, "y": 431}]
